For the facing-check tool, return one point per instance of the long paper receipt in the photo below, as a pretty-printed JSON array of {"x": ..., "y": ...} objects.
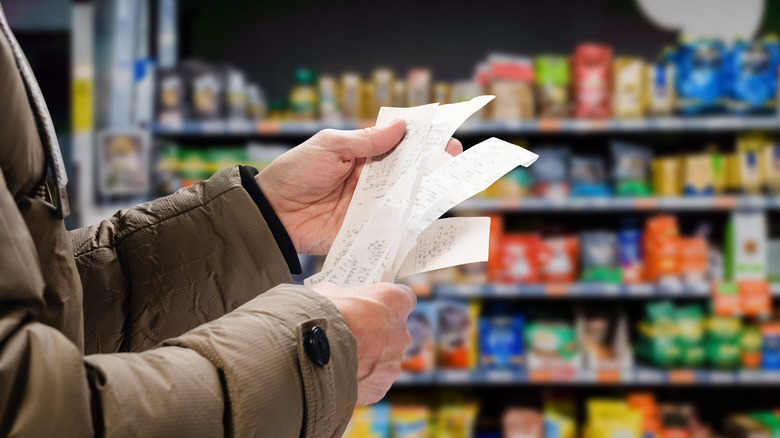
[{"x": 392, "y": 228}]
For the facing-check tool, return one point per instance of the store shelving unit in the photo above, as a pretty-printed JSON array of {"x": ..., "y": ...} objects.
[{"x": 574, "y": 290}]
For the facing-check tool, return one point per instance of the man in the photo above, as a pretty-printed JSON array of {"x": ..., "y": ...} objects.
[{"x": 176, "y": 317}]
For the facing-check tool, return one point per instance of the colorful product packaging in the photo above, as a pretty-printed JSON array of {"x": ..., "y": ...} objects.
[
  {"x": 666, "y": 176},
  {"x": 660, "y": 96},
  {"x": 746, "y": 246},
  {"x": 511, "y": 81},
  {"x": 750, "y": 346},
  {"x": 303, "y": 96},
  {"x": 660, "y": 243},
  {"x": 701, "y": 77},
  {"x": 421, "y": 323},
  {"x": 329, "y": 110},
  {"x": 612, "y": 419},
  {"x": 772, "y": 166},
  {"x": 692, "y": 259},
  {"x": 752, "y": 75},
  {"x": 698, "y": 175},
  {"x": 591, "y": 68},
  {"x": 658, "y": 335},
  {"x": 722, "y": 346},
  {"x": 560, "y": 419},
  {"x": 501, "y": 341},
  {"x": 690, "y": 335},
  {"x": 628, "y": 78},
  {"x": 588, "y": 176},
  {"x": 599, "y": 257},
  {"x": 457, "y": 325},
  {"x": 522, "y": 423},
  {"x": 630, "y": 253},
  {"x": 552, "y": 81},
  {"x": 369, "y": 422},
  {"x": 418, "y": 84},
  {"x": 751, "y": 154},
  {"x": 456, "y": 420},
  {"x": 351, "y": 96},
  {"x": 520, "y": 258},
  {"x": 551, "y": 343},
  {"x": 550, "y": 173},
  {"x": 410, "y": 422},
  {"x": 770, "y": 346},
  {"x": 631, "y": 168},
  {"x": 559, "y": 257}
]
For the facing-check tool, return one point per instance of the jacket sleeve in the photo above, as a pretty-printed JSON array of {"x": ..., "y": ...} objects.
[
  {"x": 156, "y": 270},
  {"x": 243, "y": 374}
]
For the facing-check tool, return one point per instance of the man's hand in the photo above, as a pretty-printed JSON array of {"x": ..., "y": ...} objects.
[
  {"x": 376, "y": 315},
  {"x": 310, "y": 186}
]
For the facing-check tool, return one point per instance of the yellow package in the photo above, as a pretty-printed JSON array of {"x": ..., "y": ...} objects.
[
  {"x": 351, "y": 96},
  {"x": 399, "y": 94},
  {"x": 441, "y": 92},
  {"x": 732, "y": 175},
  {"x": 612, "y": 419},
  {"x": 456, "y": 421},
  {"x": 628, "y": 76},
  {"x": 457, "y": 322},
  {"x": 410, "y": 422},
  {"x": 369, "y": 422},
  {"x": 718, "y": 169},
  {"x": 772, "y": 166},
  {"x": 384, "y": 81},
  {"x": 697, "y": 175},
  {"x": 750, "y": 155},
  {"x": 666, "y": 176},
  {"x": 560, "y": 419}
]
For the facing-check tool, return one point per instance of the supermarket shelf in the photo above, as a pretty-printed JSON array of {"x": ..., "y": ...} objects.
[
  {"x": 573, "y": 290},
  {"x": 672, "y": 124},
  {"x": 677, "y": 203},
  {"x": 639, "y": 376}
]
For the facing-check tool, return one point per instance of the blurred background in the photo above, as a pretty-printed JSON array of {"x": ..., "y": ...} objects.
[{"x": 631, "y": 287}]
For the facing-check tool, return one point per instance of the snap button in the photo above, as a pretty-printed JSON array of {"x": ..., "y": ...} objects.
[{"x": 317, "y": 346}]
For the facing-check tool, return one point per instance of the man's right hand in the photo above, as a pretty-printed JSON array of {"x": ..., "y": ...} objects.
[{"x": 376, "y": 315}]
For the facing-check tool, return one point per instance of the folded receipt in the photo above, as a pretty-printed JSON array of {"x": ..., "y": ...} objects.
[{"x": 392, "y": 228}]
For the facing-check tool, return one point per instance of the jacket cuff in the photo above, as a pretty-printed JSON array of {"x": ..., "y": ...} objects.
[
  {"x": 272, "y": 385},
  {"x": 277, "y": 229}
]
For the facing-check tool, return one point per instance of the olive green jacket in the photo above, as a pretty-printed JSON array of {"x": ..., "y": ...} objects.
[{"x": 172, "y": 318}]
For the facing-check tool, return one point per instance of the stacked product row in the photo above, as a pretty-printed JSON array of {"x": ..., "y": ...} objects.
[
  {"x": 638, "y": 415},
  {"x": 752, "y": 168},
  {"x": 461, "y": 335},
  {"x": 696, "y": 77}
]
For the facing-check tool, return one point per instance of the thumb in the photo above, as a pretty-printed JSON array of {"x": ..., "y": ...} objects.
[{"x": 369, "y": 142}]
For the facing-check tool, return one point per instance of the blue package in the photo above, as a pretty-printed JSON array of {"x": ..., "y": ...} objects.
[
  {"x": 770, "y": 348},
  {"x": 630, "y": 251},
  {"x": 701, "y": 77},
  {"x": 752, "y": 76},
  {"x": 588, "y": 177},
  {"x": 501, "y": 341}
]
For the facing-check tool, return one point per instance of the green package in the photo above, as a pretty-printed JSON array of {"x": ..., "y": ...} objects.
[
  {"x": 769, "y": 420},
  {"x": 193, "y": 164},
  {"x": 690, "y": 325},
  {"x": 723, "y": 342},
  {"x": 552, "y": 80},
  {"x": 220, "y": 157},
  {"x": 551, "y": 338}
]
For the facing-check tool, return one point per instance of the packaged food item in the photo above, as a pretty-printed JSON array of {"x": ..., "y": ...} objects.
[
  {"x": 658, "y": 335},
  {"x": 511, "y": 81},
  {"x": 256, "y": 106},
  {"x": 522, "y": 423},
  {"x": 552, "y": 81},
  {"x": 661, "y": 238},
  {"x": 560, "y": 416},
  {"x": 384, "y": 81},
  {"x": 496, "y": 265},
  {"x": 558, "y": 259},
  {"x": 124, "y": 159},
  {"x": 369, "y": 422},
  {"x": 690, "y": 335},
  {"x": 599, "y": 258},
  {"x": 603, "y": 334},
  {"x": 591, "y": 66},
  {"x": 746, "y": 241},
  {"x": 456, "y": 420},
  {"x": 698, "y": 178},
  {"x": 630, "y": 172},
  {"x": 171, "y": 105},
  {"x": 441, "y": 92},
  {"x": 399, "y": 94},
  {"x": 303, "y": 96},
  {"x": 220, "y": 157},
  {"x": 368, "y": 102},
  {"x": 612, "y": 419},
  {"x": 773, "y": 253},
  {"x": 770, "y": 346},
  {"x": 722, "y": 345},
  {"x": 457, "y": 325},
  {"x": 235, "y": 95},
  {"x": 418, "y": 84},
  {"x": 466, "y": 90},
  {"x": 677, "y": 421},
  {"x": 421, "y": 323},
  {"x": 732, "y": 172},
  {"x": 752, "y": 75},
  {"x": 750, "y": 346},
  {"x": 751, "y": 153},
  {"x": 410, "y": 421},
  {"x": 701, "y": 77},
  {"x": 718, "y": 169},
  {"x": 551, "y": 343},
  {"x": 277, "y": 110},
  {"x": 550, "y": 173},
  {"x": 515, "y": 184},
  {"x": 666, "y": 176},
  {"x": 644, "y": 402},
  {"x": 768, "y": 419},
  {"x": 660, "y": 95},
  {"x": 772, "y": 166},
  {"x": 205, "y": 90},
  {"x": 329, "y": 110},
  {"x": 351, "y": 96},
  {"x": 743, "y": 426},
  {"x": 628, "y": 78},
  {"x": 629, "y": 240},
  {"x": 520, "y": 258},
  {"x": 692, "y": 260},
  {"x": 588, "y": 177},
  {"x": 501, "y": 341}
]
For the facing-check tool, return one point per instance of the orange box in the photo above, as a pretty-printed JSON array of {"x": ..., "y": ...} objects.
[{"x": 755, "y": 297}]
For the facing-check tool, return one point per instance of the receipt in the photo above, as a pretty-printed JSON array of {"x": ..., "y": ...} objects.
[
  {"x": 448, "y": 242},
  {"x": 402, "y": 192}
]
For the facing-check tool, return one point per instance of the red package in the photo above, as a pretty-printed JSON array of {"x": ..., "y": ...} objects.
[
  {"x": 591, "y": 66},
  {"x": 559, "y": 257},
  {"x": 661, "y": 244},
  {"x": 520, "y": 258}
]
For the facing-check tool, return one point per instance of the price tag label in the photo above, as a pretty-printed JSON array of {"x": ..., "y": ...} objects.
[
  {"x": 547, "y": 125},
  {"x": 725, "y": 202},
  {"x": 682, "y": 377},
  {"x": 540, "y": 376},
  {"x": 722, "y": 377},
  {"x": 608, "y": 376},
  {"x": 500, "y": 376},
  {"x": 268, "y": 127},
  {"x": 556, "y": 289},
  {"x": 649, "y": 376},
  {"x": 456, "y": 376},
  {"x": 645, "y": 204}
]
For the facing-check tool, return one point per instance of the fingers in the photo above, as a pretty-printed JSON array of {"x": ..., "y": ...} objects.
[
  {"x": 454, "y": 147},
  {"x": 399, "y": 297},
  {"x": 361, "y": 143}
]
